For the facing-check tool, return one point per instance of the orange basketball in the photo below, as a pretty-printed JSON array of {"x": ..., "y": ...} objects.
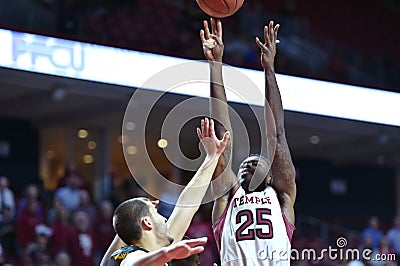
[{"x": 220, "y": 8}]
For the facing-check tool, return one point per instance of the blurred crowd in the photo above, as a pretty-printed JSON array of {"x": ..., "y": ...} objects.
[
  {"x": 60, "y": 228},
  {"x": 381, "y": 247}
]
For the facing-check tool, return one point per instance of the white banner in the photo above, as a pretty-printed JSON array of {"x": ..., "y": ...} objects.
[{"x": 47, "y": 55}]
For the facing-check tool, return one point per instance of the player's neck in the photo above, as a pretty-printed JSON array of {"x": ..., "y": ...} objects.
[{"x": 149, "y": 242}]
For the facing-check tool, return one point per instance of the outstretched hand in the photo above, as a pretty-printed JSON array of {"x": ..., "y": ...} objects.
[
  {"x": 186, "y": 248},
  {"x": 212, "y": 145},
  {"x": 213, "y": 46},
  {"x": 268, "y": 48}
]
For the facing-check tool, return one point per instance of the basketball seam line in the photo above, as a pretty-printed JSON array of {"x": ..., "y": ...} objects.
[{"x": 216, "y": 11}]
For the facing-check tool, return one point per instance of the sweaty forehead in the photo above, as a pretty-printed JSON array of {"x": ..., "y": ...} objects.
[{"x": 253, "y": 158}]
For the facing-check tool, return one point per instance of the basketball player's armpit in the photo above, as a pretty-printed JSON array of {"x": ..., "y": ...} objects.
[{"x": 223, "y": 183}]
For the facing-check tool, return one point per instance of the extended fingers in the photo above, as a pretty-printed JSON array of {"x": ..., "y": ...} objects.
[
  {"x": 260, "y": 44},
  {"x": 213, "y": 26},
  {"x": 266, "y": 35},
  {"x": 196, "y": 250},
  {"x": 219, "y": 28},
  {"x": 212, "y": 132},
  {"x": 271, "y": 31},
  {"x": 206, "y": 29},
  {"x": 199, "y": 133},
  {"x": 276, "y": 28},
  {"x": 203, "y": 40},
  {"x": 226, "y": 137},
  {"x": 195, "y": 242},
  {"x": 206, "y": 127}
]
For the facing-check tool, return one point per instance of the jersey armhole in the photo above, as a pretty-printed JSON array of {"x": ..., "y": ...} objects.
[
  {"x": 289, "y": 226},
  {"x": 218, "y": 226}
]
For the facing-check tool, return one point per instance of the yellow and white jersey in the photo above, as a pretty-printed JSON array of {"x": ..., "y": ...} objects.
[{"x": 253, "y": 230}]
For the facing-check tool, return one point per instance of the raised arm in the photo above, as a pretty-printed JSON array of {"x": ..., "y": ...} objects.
[
  {"x": 213, "y": 48},
  {"x": 283, "y": 171},
  {"x": 190, "y": 199},
  {"x": 180, "y": 250}
]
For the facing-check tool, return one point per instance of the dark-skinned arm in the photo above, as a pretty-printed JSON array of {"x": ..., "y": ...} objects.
[
  {"x": 225, "y": 181},
  {"x": 282, "y": 168}
]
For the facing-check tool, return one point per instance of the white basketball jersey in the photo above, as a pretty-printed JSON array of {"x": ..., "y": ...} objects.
[{"x": 253, "y": 230}]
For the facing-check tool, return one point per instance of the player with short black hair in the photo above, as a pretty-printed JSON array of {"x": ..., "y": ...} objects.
[{"x": 253, "y": 220}]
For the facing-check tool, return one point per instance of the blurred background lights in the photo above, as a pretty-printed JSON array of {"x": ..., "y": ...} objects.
[
  {"x": 92, "y": 145},
  {"x": 162, "y": 143},
  {"x": 314, "y": 139},
  {"x": 82, "y": 133},
  {"x": 88, "y": 159},
  {"x": 132, "y": 150},
  {"x": 130, "y": 126}
]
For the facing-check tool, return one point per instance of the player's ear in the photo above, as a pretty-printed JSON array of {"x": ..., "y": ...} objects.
[{"x": 146, "y": 223}]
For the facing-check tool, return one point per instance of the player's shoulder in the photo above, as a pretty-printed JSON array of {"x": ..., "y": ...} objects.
[
  {"x": 135, "y": 254},
  {"x": 125, "y": 251}
]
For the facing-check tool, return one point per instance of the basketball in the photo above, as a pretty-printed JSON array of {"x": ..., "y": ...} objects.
[{"x": 220, "y": 8}]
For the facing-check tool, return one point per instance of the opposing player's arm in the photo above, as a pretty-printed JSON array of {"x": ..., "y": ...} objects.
[
  {"x": 116, "y": 244},
  {"x": 190, "y": 199},
  {"x": 283, "y": 171},
  {"x": 180, "y": 250},
  {"x": 225, "y": 179}
]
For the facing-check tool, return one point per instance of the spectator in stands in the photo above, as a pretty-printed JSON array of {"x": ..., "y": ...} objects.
[
  {"x": 87, "y": 206},
  {"x": 372, "y": 230},
  {"x": 62, "y": 259},
  {"x": 25, "y": 258},
  {"x": 31, "y": 195},
  {"x": 2, "y": 256},
  {"x": 6, "y": 196},
  {"x": 103, "y": 227},
  {"x": 368, "y": 243},
  {"x": 119, "y": 190},
  {"x": 385, "y": 251},
  {"x": 82, "y": 243},
  {"x": 7, "y": 233},
  {"x": 62, "y": 229},
  {"x": 26, "y": 225},
  {"x": 393, "y": 237},
  {"x": 39, "y": 250},
  {"x": 70, "y": 195},
  {"x": 70, "y": 170}
]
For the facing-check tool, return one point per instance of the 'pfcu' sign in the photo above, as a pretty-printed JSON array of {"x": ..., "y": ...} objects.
[{"x": 42, "y": 52}]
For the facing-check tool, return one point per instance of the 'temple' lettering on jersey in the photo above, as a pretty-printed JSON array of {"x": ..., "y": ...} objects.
[{"x": 253, "y": 199}]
